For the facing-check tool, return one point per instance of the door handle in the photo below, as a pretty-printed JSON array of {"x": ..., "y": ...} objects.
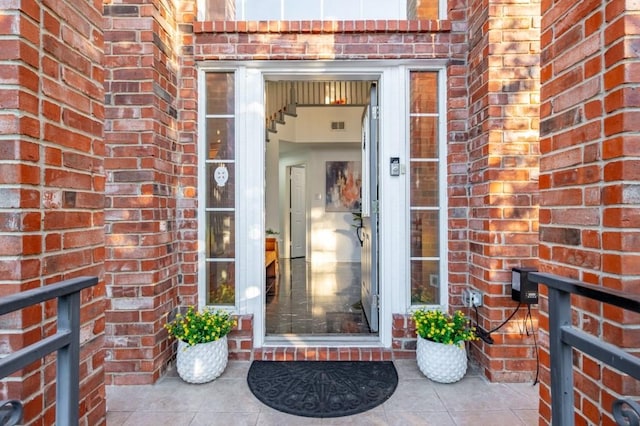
[{"x": 360, "y": 237}]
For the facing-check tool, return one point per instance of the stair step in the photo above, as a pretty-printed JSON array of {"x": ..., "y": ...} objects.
[
  {"x": 290, "y": 110},
  {"x": 279, "y": 117}
]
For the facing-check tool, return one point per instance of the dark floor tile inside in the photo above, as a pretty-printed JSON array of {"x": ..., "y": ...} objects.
[{"x": 315, "y": 299}]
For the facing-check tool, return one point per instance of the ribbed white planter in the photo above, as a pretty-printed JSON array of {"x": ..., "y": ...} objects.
[
  {"x": 441, "y": 363},
  {"x": 203, "y": 362}
]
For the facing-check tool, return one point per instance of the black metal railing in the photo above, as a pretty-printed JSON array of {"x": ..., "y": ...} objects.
[
  {"x": 66, "y": 341},
  {"x": 563, "y": 337}
]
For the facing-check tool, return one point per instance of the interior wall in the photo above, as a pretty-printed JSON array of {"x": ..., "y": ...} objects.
[
  {"x": 330, "y": 235},
  {"x": 308, "y": 140}
]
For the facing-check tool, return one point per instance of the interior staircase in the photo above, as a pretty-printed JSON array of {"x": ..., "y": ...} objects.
[{"x": 284, "y": 97}]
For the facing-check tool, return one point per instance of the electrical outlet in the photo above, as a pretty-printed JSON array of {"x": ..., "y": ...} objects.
[
  {"x": 466, "y": 297},
  {"x": 471, "y": 298},
  {"x": 475, "y": 298}
]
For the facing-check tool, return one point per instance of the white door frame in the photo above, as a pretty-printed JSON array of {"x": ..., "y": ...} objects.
[{"x": 394, "y": 191}]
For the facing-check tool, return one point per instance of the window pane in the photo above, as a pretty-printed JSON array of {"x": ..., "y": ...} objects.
[
  {"x": 427, "y": 9},
  {"x": 262, "y": 10},
  {"x": 221, "y": 287},
  {"x": 300, "y": 10},
  {"x": 220, "y": 90},
  {"x": 424, "y": 187},
  {"x": 424, "y": 184},
  {"x": 221, "y": 196},
  {"x": 220, "y": 235},
  {"x": 424, "y": 92},
  {"x": 341, "y": 9},
  {"x": 425, "y": 282},
  {"x": 424, "y": 233},
  {"x": 411, "y": 9},
  {"x": 223, "y": 10},
  {"x": 424, "y": 137},
  {"x": 220, "y": 138}
]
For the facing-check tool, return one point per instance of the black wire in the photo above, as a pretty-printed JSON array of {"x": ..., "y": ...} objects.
[
  {"x": 535, "y": 343},
  {"x": 505, "y": 321},
  {"x": 528, "y": 317},
  {"x": 477, "y": 319},
  {"x": 479, "y": 331}
]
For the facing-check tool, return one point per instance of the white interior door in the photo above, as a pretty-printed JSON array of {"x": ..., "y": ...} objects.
[
  {"x": 298, "y": 212},
  {"x": 369, "y": 231}
]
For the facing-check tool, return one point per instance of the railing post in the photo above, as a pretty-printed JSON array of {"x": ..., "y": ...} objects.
[
  {"x": 68, "y": 376},
  {"x": 561, "y": 359}
]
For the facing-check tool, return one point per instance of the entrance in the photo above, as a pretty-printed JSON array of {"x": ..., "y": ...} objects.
[
  {"x": 297, "y": 177},
  {"x": 321, "y": 187},
  {"x": 256, "y": 132}
]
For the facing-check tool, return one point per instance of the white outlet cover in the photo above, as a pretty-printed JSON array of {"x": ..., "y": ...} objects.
[{"x": 221, "y": 175}]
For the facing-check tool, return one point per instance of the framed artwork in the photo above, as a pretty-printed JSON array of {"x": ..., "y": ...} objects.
[{"x": 343, "y": 186}]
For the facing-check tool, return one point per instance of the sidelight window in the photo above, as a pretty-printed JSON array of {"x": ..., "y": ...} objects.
[
  {"x": 220, "y": 188},
  {"x": 425, "y": 209}
]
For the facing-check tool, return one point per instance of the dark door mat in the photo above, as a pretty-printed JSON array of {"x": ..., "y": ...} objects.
[{"x": 322, "y": 388}]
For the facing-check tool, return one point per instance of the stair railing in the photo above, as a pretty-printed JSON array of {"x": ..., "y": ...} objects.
[
  {"x": 66, "y": 341},
  {"x": 563, "y": 337}
]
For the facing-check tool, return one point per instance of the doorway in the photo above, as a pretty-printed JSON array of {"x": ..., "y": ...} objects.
[
  {"x": 298, "y": 218},
  {"x": 319, "y": 154}
]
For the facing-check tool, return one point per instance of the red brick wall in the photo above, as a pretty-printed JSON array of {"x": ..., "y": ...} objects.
[
  {"x": 458, "y": 115},
  {"x": 52, "y": 188},
  {"x": 503, "y": 79},
  {"x": 338, "y": 40},
  {"x": 492, "y": 156},
  {"x": 187, "y": 213},
  {"x": 589, "y": 224},
  {"x": 500, "y": 223},
  {"x": 143, "y": 163}
]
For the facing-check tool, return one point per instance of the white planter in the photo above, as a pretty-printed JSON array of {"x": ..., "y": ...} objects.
[
  {"x": 203, "y": 362},
  {"x": 440, "y": 362}
]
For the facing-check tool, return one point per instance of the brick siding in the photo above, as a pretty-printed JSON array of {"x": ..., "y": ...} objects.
[
  {"x": 503, "y": 82},
  {"x": 589, "y": 223},
  {"x": 144, "y": 163},
  {"x": 52, "y": 189},
  {"x": 56, "y": 169},
  {"x": 416, "y": 39}
]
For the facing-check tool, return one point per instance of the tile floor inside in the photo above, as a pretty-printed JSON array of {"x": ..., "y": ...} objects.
[
  {"x": 316, "y": 299},
  {"x": 416, "y": 401}
]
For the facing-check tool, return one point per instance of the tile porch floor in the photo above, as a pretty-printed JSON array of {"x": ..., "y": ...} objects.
[{"x": 417, "y": 401}]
